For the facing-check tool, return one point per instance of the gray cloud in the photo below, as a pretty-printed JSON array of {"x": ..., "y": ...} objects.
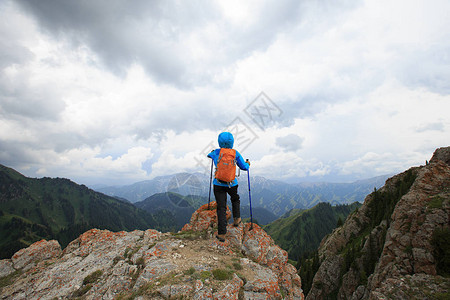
[
  {"x": 145, "y": 32},
  {"x": 437, "y": 126},
  {"x": 315, "y": 101},
  {"x": 19, "y": 98},
  {"x": 19, "y": 101},
  {"x": 156, "y": 34},
  {"x": 11, "y": 49},
  {"x": 20, "y": 154},
  {"x": 291, "y": 142},
  {"x": 429, "y": 68},
  {"x": 12, "y": 53},
  {"x": 306, "y": 55}
]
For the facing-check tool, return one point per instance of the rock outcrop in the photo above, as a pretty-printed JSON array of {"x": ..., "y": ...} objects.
[
  {"x": 190, "y": 264},
  {"x": 388, "y": 248}
]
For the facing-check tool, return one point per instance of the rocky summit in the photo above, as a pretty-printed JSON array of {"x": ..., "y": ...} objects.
[
  {"x": 190, "y": 264},
  {"x": 396, "y": 246}
]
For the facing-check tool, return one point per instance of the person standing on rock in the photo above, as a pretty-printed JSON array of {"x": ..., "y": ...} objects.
[{"x": 225, "y": 182}]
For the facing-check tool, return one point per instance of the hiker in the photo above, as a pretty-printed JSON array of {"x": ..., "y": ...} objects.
[{"x": 225, "y": 181}]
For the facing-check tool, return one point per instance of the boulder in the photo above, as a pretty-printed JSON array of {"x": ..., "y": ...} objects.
[
  {"x": 231, "y": 290},
  {"x": 39, "y": 251},
  {"x": 104, "y": 264},
  {"x": 6, "y": 267},
  {"x": 204, "y": 218}
]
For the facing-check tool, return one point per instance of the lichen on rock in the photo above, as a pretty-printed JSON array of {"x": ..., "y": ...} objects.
[
  {"x": 385, "y": 249},
  {"x": 155, "y": 265}
]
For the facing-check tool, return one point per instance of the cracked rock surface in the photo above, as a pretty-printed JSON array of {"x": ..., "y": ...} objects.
[
  {"x": 396, "y": 258},
  {"x": 190, "y": 264}
]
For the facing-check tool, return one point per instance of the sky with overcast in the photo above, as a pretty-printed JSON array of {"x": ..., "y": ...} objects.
[{"x": 114, "y": 92}]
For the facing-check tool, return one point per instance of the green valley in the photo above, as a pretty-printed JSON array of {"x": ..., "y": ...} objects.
[
  {"x": 301, "y": 231},
  {"x": 33, "y": 209}
]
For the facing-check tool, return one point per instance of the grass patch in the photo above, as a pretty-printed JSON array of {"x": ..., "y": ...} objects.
[
  {"x": 442, "y": 296},
  {"x": 189, "y": 271},
  {"x": 436, "y": 202},
  {"x": 203, "y": 275},
  {"x": 221, "y": 274},
  {"x": 130, "y": 252},
  {"x": 8, "y": 280},
  {"x": 93, "y": 277},
  {"x": 127, "y": 250},
  {"x": 144, "y": 289},
  {"x": 237, "y": 266},
  {"x": 190, "y": 234},
  {"x": 140, "y": 261},
  {"x": 135, "y": 275},
  {"x": 81, "y": 291},
  {"x": 117, "y": 259},
  {"x": 88, "y": 282}
]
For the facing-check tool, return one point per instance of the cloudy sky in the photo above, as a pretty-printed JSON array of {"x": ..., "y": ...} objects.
[{"x": 113, "y": 92}]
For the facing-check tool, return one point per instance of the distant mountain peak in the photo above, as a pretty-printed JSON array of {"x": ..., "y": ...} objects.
[{"x": 275, "y": 196}]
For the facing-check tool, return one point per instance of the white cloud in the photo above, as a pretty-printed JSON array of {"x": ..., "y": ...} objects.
[
  {"x": 88, "y": 163},
  {"x": 433, "y": 126},
  {"x": 168, "y": 163},
  {"x": 363, "y": 87},
  {"x": 381, "y": 164},
  {"x": 287, "y": 166},
  {"x": 370, "y": 160}
]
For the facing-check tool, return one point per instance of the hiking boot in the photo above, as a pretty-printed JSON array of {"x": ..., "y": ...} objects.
[
  {"x": 221, "y": 237},
  {"x": 237, "y": 222}
]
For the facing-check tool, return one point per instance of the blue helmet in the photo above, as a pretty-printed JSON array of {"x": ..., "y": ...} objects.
[{"x": 226, "y": 140}]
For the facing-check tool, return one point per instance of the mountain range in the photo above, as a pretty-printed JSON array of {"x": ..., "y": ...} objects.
[
  {"x": 182, "y": 207},
  {"x": 396, "y": 245},
  {"x": 32, "y": 209},
  {"x": 276, "y": 196}
]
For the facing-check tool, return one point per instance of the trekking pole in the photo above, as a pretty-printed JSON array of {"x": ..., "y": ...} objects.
[
  {"x": 250, "y": 198},
  {"x": 210, "y": 181}
]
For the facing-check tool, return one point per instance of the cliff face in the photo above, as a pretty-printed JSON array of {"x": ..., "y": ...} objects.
[
  {"x": 190, "y": 264},
  {"x": 394, "y": 246}
]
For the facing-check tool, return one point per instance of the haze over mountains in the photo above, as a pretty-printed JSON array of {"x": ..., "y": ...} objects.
[
  {"x": 393, "y": 246},
  {"x": 32, "y": 209},
  {"x": 276, "y": 196}
]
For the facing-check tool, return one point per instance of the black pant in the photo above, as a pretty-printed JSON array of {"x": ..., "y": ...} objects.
[{"x": 220, "y": 192}]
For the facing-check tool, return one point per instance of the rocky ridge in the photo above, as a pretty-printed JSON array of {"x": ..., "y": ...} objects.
[
  {"x": 387, "y": 249},
  {"x": 190, "y": 264}
]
